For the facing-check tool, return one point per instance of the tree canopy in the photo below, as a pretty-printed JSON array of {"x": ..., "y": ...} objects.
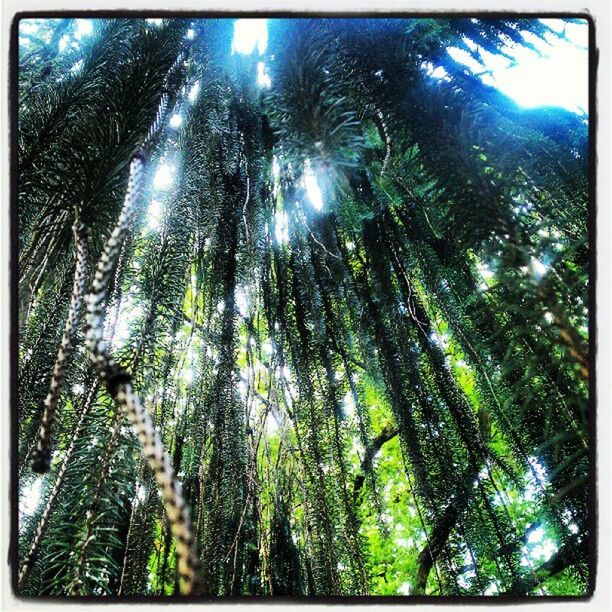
[{"x": 348, "y": 287}]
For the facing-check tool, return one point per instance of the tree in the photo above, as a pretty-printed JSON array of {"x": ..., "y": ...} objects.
[{"x": 350, "y": 295}]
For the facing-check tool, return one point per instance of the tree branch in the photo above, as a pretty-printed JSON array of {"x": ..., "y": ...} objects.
[{"x": 388, "y": 433}]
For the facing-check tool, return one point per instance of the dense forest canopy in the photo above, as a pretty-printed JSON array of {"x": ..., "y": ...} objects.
[{"x": 348, "y": 286}]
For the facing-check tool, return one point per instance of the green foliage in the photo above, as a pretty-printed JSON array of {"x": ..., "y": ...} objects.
[
  {"x": 385, "y": 394},
  {"x": 313, "y": 117}
]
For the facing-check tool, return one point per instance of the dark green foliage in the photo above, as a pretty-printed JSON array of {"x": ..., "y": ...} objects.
[{"x": 383, "y": 394}]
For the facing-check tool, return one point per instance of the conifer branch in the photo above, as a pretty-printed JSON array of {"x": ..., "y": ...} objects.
[
  {"x": 41, "y": 456},
  {"x": 118, "y": 381}
]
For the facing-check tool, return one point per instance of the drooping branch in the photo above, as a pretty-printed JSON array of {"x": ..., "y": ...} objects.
[
  {"x": 118, "y": 381},
  {"x": 388, "y": 433},
  {"x": 41, "y": 456},
  {"x": 439, "y": 534}
]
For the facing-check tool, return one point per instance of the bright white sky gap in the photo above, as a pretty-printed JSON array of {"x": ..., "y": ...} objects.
[
  {"x": 248, "y": 34},
  {"x": 558, "y": 77}
]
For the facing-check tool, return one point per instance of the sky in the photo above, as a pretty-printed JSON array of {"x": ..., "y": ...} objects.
[{"x": 558, "y": 76}]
